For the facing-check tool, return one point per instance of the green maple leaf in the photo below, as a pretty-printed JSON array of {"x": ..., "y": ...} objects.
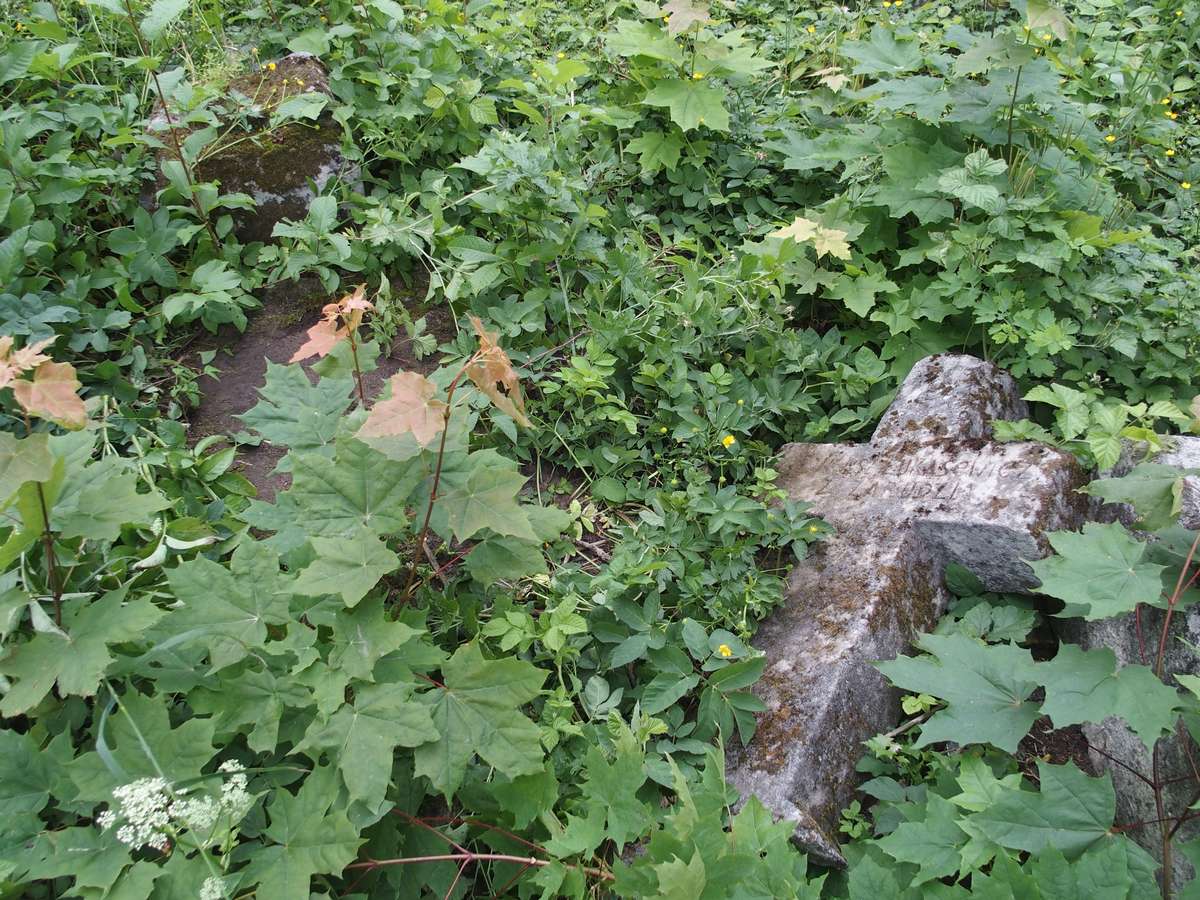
[
  {"x": 97, "y": 498},
  {"x": 678, "y": 880},
  {"x": 359, "y": 489},
  {"x": 364, "y": 635},
  {"x": 656, "y": 151},
  {"x": 980, "y": 786},
  {"x": 228, "y": 609},
  {"x": 924, "y": 95},
  {"x": 253, "y": 702},
  {"x": 882, "y": 54},
  {"x": 1153, "y": 489},
  {"x": 77, "y": 656},
  {"x": 363, "y": 736},
  {"x": 308, "y": 839},
  {"x": 613, "y": 786},
  {"x": 293, "y": 412},
  {"x": 526, "y": 795},
  {"x": 27, "y": 778},
  {"x": 859, "y": 292},
  {"x": 1043, "y": 15},
  {"x": 1070, "y": 813},
  {"x": 643, "y": 39},
  {"x": 27, "y": 459},
  {"x": 1087, "y": 686},
  {"x": 985, "y": 688},
  {"x": 348, "y": 566},
  {"x": 500, "y": 558},
  {"x": 1103, "y": 871},
  {"x": 478, "y": 711},
  {"x": 691, "y": 103},
  {"x": 479, "y": 491},
  {"x": 933, "y": 844},
  {"x": 1099, "y": 573},
  {"x": 139, "y": 727}
]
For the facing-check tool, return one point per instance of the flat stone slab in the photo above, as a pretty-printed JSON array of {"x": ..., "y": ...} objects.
[{"x": 931, "y": 487}]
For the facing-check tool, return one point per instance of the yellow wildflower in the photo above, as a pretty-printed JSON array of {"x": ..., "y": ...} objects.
[
  {"x": 813, "y": 529},
  {"x": 662, "y": 430},
  {"x": 812, "y": 29},
  {"x": 300, "y": 82},
  {"x": 1109, "y": 138},
  {"x": 1186, "y": 185},
  {"x": 1047, "y": 36},
  {"x": 1170, "y": 151},
  {"x": 887, "y": 4},
  {"x": 1166, "y": 101},
  {"x": 271, "y": 66},
  {"x": 1172, "y": 116},
  {"x": 560, "y": 55},
  {"x": 696, "y": 76},
  {"x": 741, "y": 402},
  {"x": 254, "y": 50},
  {"x": 728, "y": 441},
  {"x": 725, "y": 650}
]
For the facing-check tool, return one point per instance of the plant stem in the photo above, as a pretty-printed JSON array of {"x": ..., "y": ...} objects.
[
  {"x": 362, "y": 397},
  {"x": 51, "y": 559},
  {"x": 475, "y": 857}
]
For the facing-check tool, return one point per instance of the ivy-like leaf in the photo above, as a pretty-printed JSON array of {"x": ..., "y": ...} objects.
[
  {"x": 477, "y": 710},
  {"x": 1099, "y": 573}
]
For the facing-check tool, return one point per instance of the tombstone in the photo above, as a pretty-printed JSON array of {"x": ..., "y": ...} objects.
[
  {"x": 931, "y": 487},
  {"x": 1112, "y": 738}
]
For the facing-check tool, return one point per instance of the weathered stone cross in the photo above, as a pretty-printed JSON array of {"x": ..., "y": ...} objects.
[{"x": 930, "y": 488}]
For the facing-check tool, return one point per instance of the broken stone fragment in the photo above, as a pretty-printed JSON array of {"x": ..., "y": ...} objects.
[
  {"x": 283, "y": 168},
  {"x": 931, "y": 487}
]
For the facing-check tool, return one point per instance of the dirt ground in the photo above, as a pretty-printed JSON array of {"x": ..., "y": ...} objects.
[{"x": 275, "y": 332}]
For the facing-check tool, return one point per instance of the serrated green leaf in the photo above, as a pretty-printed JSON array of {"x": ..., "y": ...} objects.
[
  {"x": 478, "y": 711},
  {"x": 882, "y": 54},
  {"x": 364, "y": 635},
  {"x": 932, "y": 843},
  {"x": 362, "y": 737},
  {"x": 22, "y": 460},
  {"x": 1150, "y": 487},
  {"x": 293, "y": 412},
  {"x": 1071, "y": 812},
  {"x": 480, "y": 491},
  {"x": 347, "y": 567},
  {"x": 502, "y": 558},
  {"x": 1099, "y": 573},
  {"x": 77, "y": 656},
  {"x": 656, "y": 151},
  {"x": 1087, "y": 686},
  {"x": 161, "y": 15},
  {"x": 985, "y": 687},
  {"x": 690, "y": 103}
]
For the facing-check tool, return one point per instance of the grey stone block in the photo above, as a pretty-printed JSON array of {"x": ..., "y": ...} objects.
[{"x": 930, "y": 488}]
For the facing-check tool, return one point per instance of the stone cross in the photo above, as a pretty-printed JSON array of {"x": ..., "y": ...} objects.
[{"x": 931, "y": 487}]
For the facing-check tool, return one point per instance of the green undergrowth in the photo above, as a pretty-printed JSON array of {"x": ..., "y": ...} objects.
[{"x": 493, "y": 638}]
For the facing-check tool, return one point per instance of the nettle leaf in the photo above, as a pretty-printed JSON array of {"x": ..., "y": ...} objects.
[
  {"x": 77, "y": 655},
  {"x": 362, "y": 737},
  {"x": 882, "y": 54},
  {"x": 309, "y": 837},
  {"x": 228, "y": 610},
  {"x": 347, "y": 567},
  {"x": 1087, "y": 686},
  {"x": 1070, "y": 813},
  {"x": 293, "y": 412},
  {"x": 360, "y": 488},
  {"x": 985, "y": 687},
  {"x": 1099, "y": 573},
  {"x": 690, "y": 103},
  {"x": 477, "y": 711}
]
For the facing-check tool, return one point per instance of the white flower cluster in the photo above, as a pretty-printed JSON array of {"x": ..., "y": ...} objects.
[
  {"x": 148, "y": 809},
  {"x": 144, "y": 807},
  {"x": 212, "y": 889}
]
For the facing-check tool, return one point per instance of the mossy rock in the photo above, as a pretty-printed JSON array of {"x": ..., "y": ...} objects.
[{"x": 284, "y": 168}]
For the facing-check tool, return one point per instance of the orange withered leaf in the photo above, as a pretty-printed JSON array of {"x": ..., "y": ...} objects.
[
  {"x": 411, "y": 409},
  {"x": 53, "y": 395},
  {"x": 493, "y": 373},
  {"x": 337, "y": 321},
  {"x": 322, "y": 338}
]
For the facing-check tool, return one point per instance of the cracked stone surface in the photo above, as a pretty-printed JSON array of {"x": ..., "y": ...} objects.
[{"x": 931, "y": 487}]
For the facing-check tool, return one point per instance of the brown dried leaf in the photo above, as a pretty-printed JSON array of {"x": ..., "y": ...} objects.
[
  {"x": 410, "y": 410},
  {"x": 683, "y": 14},
  {"x": 322, "y": 338},
  {"x": 53, "y": 395},
  {"x": 31, "y": 356},
  {"x": 493, "y": 373}
]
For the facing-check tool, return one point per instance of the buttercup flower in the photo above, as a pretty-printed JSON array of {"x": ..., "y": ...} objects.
[
  {"x": 560, "y": 55},
  {"x": 725, "y": 650},
  {"x": 1109, "y": 138},
  {"x": 728, "y": 441},
  {"x": 1170, "y": 151},
  {"x": 812, "y": 29},
  {"x": 1186, "y": 185},
  {"x": 271, "y": 66}
]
